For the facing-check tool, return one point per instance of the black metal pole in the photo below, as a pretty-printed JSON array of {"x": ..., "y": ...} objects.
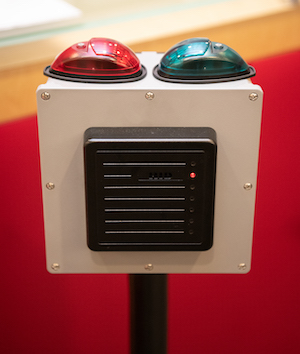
[{"x": 148, "y": 310}]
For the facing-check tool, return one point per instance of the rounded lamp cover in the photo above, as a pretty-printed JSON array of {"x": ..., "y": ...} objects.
[{"x": 199, "y": 60}]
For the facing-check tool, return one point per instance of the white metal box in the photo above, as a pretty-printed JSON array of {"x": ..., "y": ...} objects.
[{"x": 232, "y": 109}]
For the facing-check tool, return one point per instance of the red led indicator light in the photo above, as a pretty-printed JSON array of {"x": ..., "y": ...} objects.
[{"x": 192, "y": 174}]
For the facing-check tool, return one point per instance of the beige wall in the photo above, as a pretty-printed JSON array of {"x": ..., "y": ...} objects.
[{"x": 253, "y": 39}]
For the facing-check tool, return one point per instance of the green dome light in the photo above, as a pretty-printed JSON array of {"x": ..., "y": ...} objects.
[{"x": 198, "y": 60}]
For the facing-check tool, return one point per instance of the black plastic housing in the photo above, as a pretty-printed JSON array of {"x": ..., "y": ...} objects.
[
  {"x": 48, "y": 71},
  {"x": 150, "y": 189}
]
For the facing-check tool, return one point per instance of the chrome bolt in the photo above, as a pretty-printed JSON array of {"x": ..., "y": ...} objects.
[
  {"x": 45, "y": 96},
  {"x": 81, "y": 45},
  {"x": 149, "y": 96},
  {"x": 149, "y": 266},
  {"x": 242, "y": 266},
  {"x": 253, "y": 96},
  {"x": 50, "y": 186},
  {"x": 55, "y": 266},
  {"x": 247, "y": 186},
  {"x": 218, "y": 46}
]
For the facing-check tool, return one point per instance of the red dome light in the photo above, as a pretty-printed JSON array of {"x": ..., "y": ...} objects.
[{"x": 97, "y": 60}]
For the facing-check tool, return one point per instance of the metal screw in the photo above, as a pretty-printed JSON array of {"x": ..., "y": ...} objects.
[
  {"x": 149, "y": 96},
  {"x": 45, "y": 96},
  {"x": 50, "y": 185},
  {"x": 55, "y": 266},
  {"x": 242, "y": 266},
  {"x": 149, "y": 266},
  {"x": 81, "y": 45},
  {"x": 218, "y": 46},
  {"x": 247, "y": 186},
  {"x": 253, "y": 96}
]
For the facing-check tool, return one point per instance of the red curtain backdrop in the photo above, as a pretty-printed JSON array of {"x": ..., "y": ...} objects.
[{"x": 229, "y": 314}]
